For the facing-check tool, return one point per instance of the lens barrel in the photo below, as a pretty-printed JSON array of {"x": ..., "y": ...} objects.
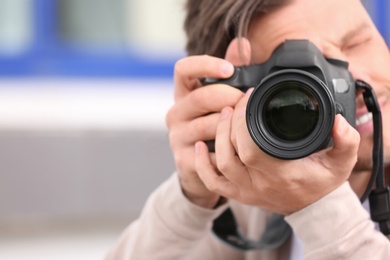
[{"x": 291, "y": 114}]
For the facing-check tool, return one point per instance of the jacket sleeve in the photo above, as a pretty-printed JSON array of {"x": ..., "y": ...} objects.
[
  {"x": 171, "y": 227},
  {"x": 338, "y": 227}
]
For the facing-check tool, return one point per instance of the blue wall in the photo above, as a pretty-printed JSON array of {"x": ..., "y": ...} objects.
[{"x": 49, "y": 56}]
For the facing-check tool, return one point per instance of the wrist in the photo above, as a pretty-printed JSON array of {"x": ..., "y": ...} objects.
[{"x": 208, "y": 202}]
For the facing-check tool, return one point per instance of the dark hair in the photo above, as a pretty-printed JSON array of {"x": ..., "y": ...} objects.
[{"x": 210, "y": 25}]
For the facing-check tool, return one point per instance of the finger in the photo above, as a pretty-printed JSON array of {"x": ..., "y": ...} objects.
[
  {"x": 203, "y": 101},
  {"x": 343, "y": 153},
  {"x": 239, "y": 118},
  {"x": 241, "y": 105},
  {"x": 207, "y": 173},
  {"x": 200, "y": 129},
  {"x": 188, "y": 70},
  {"x": 227, "y": 161},
  {"x": 213, "y": 160},
  {"x": 239, "y": 52},
  {"x": 250, "y": 154},
  {"x": 185, "y": 160}
]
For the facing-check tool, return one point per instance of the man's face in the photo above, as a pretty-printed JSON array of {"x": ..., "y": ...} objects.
[{"x": 341, "y": 30}]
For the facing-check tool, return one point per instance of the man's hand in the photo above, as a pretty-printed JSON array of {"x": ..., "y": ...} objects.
[
  {"x": 196, "y": 113},
  {"x": 246, "y": 174}
]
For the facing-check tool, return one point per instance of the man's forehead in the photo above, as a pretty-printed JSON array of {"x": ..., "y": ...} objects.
[
  {"x": 345, "y": 19},
  {"x": 317, "y": 20}
]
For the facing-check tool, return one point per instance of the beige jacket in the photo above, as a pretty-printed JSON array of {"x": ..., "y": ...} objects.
[{"x": 170, "y": 227}]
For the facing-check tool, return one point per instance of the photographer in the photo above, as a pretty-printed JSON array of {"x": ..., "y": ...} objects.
[{"x": 318, "y": 194}]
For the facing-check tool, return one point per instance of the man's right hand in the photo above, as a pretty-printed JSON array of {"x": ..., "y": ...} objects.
[
  {"x": 194, "y": 117},
  {"x": 196, "y": 112}
]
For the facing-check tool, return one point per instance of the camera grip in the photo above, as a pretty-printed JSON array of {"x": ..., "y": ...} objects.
[{"x": 243, "y": 78}]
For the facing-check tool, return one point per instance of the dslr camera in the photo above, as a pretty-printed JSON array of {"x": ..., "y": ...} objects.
[{"x": 297, "y": 93}]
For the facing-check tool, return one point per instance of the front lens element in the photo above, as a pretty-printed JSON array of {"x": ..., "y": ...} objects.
[{"x": 291, "y": 112}]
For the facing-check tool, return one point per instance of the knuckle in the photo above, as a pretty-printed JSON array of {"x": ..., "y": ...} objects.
[
  {"x": 200, "y": 96},
  {"x": 170, "y": 117},
  {"x": 211, "y": 186},
  {"x": 198, "y": 127},
  {"x": 247, "y": 157},
  {"x": 180, "y": 66},
  {"x": 352, "y": 142},
  {"x": 224, "y": 164},
  {"x": 356, "y": 137}
]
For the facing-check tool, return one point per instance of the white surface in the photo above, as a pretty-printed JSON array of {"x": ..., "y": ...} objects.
[
  {"x": 84, "y": 104},
  {"x": 40, "y": 105},
  {"x": 58, "y": 247},
  {"x": 41, "y": 241}
]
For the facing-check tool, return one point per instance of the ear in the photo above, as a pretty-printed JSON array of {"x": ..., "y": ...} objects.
[{"x": 239, "y": 52}]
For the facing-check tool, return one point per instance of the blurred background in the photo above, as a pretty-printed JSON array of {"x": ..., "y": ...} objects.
[{"x": 84, "y": 88}]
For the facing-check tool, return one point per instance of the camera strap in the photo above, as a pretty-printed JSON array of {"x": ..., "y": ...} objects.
[
  {"x": 275, "y": 234},
  {"x": 379, "y": 196},
  {"x": 278, "y": 231}
]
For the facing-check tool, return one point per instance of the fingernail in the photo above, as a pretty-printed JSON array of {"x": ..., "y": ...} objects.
[
  {"x": 249, "y": 91},
  {"x": 227, "y": 69}
]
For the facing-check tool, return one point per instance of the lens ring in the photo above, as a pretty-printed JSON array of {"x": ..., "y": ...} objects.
[{"x": 296, "y": 148}]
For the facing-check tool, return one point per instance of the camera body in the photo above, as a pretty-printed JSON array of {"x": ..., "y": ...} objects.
[{"x": 290, "y": 114}]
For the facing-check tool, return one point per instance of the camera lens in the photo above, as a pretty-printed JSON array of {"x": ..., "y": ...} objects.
[{"x": 291, "y": 112}]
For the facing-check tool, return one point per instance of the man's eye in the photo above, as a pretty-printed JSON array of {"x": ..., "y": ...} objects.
[
  {"x": 357, "y": 43},
  {"x": 354, "y": 45}
]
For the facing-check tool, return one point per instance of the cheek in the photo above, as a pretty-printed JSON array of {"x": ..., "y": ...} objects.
[
  {"x": 379, "y": 67},
  {"x": 370, "y": 62}
]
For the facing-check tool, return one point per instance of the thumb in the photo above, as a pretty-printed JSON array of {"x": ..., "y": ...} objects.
[
  {"x": 239, "y": 52},
  {"x": 346, "y": 141}
]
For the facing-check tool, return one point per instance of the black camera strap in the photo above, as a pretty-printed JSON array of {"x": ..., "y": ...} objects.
[
  {"x": 379, "y": 196},
  {"x": 278, "y": 231},
  {"x": 275, "y": 234}
]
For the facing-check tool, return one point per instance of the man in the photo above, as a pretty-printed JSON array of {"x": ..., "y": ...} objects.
[{"x": 318, "y": 194}]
